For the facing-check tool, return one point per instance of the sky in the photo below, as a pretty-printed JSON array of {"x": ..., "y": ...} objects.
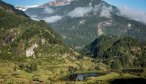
[
  {"x": 133, "y": 9},
  {"x": 26, "y": 2},
  {"x": 135, "y": 4}
]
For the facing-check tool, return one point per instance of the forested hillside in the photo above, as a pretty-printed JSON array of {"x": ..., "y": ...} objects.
[{"x": 117, "y": 52}]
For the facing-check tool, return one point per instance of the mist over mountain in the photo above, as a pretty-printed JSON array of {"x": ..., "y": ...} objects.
[
  {"x": 82, "y": 21},
  {"x": 134, "y": 14}
]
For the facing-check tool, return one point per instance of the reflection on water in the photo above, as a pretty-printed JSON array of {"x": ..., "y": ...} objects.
[{"x": 82, "y": 76}]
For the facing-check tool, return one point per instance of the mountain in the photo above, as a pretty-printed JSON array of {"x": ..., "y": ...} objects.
[
  {"x": 31, "y": 50},
  {"x": 82, "y": 21}
]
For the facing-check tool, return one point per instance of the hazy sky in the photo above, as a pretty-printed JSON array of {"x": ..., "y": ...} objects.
[{"x": 135, "y": 4}]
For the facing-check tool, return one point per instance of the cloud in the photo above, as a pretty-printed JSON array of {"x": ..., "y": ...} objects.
[
  {"x": 134, "y": 14},
  {"x": 52, "y": 19},
  {"x": 48, "y": 10},
  {"x": 24, "y": 8},
  {"x": 106, "y": 11},
  {"x": 34, "y": 17},
  {"x": 80, "y": 11},
  {"x": 33, "y": 6}
]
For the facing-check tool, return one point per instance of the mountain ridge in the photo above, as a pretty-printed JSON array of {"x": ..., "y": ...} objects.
[
  {"x": 81, "y": 22},
  {"x": 11, "y": 8}
]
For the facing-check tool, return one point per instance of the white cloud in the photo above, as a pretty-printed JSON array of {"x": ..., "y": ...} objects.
[
  {"x": 106, "y": 11},
  {"x": 80, "y": 11},
  {"x": 48, "y": 10},
  {"x": 34, "y": 17},
  {"x": 24, "y": 8},
  {"x": 52, "y": 19},
  {"x": 134, "y": 14},
  {"x": 33, "y": 6}
]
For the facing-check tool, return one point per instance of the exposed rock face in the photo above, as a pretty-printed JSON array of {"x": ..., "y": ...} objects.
[{"x": 30, "y": 51}]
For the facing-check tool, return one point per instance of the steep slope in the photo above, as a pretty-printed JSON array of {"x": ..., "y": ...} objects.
[
  {"x": 21, "y": 36},
  {"x": 81, "y": 21}
]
